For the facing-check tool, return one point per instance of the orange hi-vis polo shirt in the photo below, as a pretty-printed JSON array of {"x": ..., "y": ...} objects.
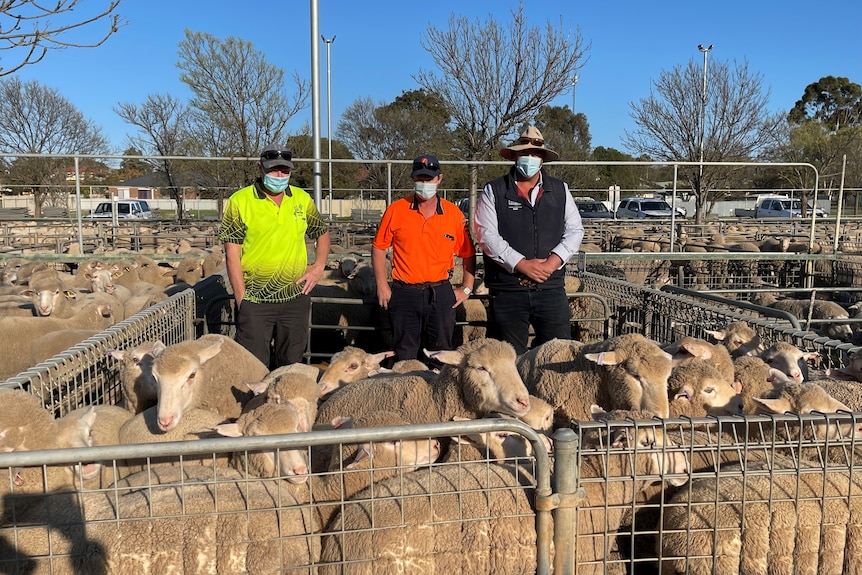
[{"x": 423, "y": 250}]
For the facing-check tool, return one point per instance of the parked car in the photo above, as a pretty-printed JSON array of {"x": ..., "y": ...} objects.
[
  {"x": 641, "y": 208},
  {"x": 126, "y": 210},
  {"x": 591, "y": 208},
  {"x": 782, "y": 207}
]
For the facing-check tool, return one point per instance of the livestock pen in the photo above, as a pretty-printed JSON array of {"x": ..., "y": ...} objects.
[{"x": 592, "y": 508}]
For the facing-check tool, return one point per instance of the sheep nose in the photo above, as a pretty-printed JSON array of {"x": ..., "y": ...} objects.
[
  {"x": 166, "y": 423},
  {"x": 523, "y": 402},
  {"x": 300, "y": 470}
]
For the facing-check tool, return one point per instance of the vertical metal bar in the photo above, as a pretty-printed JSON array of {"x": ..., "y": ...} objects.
[
  {"x": 315, "y": 103},
  {"x": 566, "y": 446}
]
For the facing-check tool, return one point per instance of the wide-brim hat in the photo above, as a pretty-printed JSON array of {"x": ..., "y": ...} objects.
[{"x": 531, "y": 139}]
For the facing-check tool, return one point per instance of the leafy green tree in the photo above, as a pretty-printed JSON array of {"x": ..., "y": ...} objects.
[
  {"x": 834, "y": 102},
  {"x": 626, "y": 177},
  {"x": 495, "y": 76},
  {"x": 36, "y": 119},
  {"x": 133, "y": 167},
  {"x": 737, "y": 123}
]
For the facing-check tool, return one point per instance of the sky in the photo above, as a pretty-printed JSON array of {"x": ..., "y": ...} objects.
[{"x": 377, "y": 51}]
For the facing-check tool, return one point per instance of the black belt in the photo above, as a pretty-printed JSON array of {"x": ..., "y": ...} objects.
[{"x": 423, "y": 285}]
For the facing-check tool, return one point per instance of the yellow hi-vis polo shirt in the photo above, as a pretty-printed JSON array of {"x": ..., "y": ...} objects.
[
  {"x": 423, "y": 250},
  {"x": 272, "y": 238}
]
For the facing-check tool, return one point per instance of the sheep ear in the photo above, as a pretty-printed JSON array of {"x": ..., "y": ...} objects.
[
  {"x": 116, "y": 354},
  {"x": 342, "y": 422},
  {"x": 374, "y": 360},
  {"x": 157, "y": 348},
  {"x": 300, "y": 407},
  {"x": 27, "y": 292},
  {"x": 737, "y": 386},
  {"x": 778, "y": 406},
  {"x": 811, "y": 357},
  {"x": 450, "y": 357},
  {"x": 685, "y": 392},
  {"x": 228, "y": 430},
  {"x": 363, "y": 454},
  {"x": 603, "y": 358},
  {"x": 105, "y": 310},
  {"x": 697, "y": 350},
  {"x": 210, "y": 351},
  {"x": 716, "y": 335}
]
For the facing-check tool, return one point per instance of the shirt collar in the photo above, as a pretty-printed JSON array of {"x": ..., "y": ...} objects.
[{"x": 414, "y": 205}]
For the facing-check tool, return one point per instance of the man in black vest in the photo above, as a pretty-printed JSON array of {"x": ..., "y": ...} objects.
[{"x": 528, "y": 227}]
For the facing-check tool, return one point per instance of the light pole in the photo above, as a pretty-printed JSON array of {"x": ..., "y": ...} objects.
[
  {"x": 574, "y": 85},
  {"x": 702, "y": 114},
  {"x": 329, "y": 115}
]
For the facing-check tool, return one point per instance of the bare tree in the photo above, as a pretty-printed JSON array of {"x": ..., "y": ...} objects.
[
  {"x": 737, "y": 124},
  {"x": 496, "y": 76},
  {"x": 36, "y": 119},
  {"x": 239, "y": 104},
  {"x": 162, "y": 122},
  {"x": 27, "y": 32}
]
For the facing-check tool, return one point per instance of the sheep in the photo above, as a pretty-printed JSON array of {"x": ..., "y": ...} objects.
[
  {"x": 197, "y": 520},
  {"x": 213, "y": 263},
  {"x": 802, "y": 398},
  {"x": 477, "y": 378},
  {"x": 104, "y": 429},
  {"x": 625, "y": 372},
  {"x": 349, "y": 365},
  {"x": 49, "y": 295},
  {"x": 136, "y": 377},
  {"x": 19, "y": 333},
  {"x": 478, "y": 517},
  {"x": 698, "y": 389},
  {"x": 846, "y": 391},
  {"x": 739, "y": 339},
  {"x": 269, "y": 419},
  {"x": 204, "y": 373},
  {"x": 789, "y": 359},
  {"x": 795, "y": 519},
  {"x": 694, "y": 349},
  {"x": 150, "y": 271},
  {"x": 408, "y": 365},
  {"x": 296, "y": 388},
  {"x": 25, "y": 424},
  {"x": 819, "y": 309},
  {"x": 753, "y": 377},
  {"x": 51, "y": 344},
  {"x": 196, "y": 424},
  {"x": 101, "y": 280}
]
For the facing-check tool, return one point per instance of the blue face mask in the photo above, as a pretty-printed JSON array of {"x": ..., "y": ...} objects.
[
  {"x": 274, "y": 184},
  {"x": 528, "y": 166}
]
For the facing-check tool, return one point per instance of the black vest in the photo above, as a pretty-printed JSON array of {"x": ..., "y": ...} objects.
[{"x": 531, "y": 230}]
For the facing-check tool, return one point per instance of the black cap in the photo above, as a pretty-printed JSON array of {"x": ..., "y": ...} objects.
[
  {"x": 425, "y": 165},
  {"x": 274, "y": 155}
]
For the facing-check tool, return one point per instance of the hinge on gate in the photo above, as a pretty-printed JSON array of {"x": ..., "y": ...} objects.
[{"x": 560, "y": 500}]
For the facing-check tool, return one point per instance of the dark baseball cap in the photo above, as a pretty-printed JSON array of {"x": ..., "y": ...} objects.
[
  {"x": 425, "y": 165},
  {"x": 274, "y": 155}
]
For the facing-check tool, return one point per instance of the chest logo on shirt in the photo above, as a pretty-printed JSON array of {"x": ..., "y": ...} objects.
[
  {"x": 515, "y": 206},
  {"x": 298, "y": 212}
]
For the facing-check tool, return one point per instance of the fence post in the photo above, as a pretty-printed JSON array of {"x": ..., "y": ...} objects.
[{"x": 566, "y": 474}]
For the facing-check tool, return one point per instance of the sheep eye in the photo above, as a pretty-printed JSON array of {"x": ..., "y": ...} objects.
[
  {"x": 709, "y": 390},
  {"x": 191, "y": 377},
  {"x": 481, "y": 368},
  {"x": 136, "y": 360},
  {"x": 353, "y": 366}
]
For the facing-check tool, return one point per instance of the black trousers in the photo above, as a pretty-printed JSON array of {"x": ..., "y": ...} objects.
[
  {"x": 282, "y": 327},
  {"x": 510, "y": 314},
  {"x": 421, "y": 318}
]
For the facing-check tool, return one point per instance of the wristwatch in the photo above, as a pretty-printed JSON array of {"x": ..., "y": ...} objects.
[{"x": 466, "y": 290}]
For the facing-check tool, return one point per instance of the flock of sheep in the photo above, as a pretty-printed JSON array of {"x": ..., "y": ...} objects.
[{"x": 463, "y": 504}]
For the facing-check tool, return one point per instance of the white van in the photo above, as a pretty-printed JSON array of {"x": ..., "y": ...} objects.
[{"x": 126, "y": 210}]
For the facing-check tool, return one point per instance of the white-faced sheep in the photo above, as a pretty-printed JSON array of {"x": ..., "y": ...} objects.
[
  {"x": 697, "y": 389},
  {"x": 103, "y": 428},
  {"x": 270, "y": 419},
  {"x": 477, "y": 378},
  {"x": 739, "y": 338},
  {"x": 625, "y": 372},
  {"x": 789, "y": 360},
  {"x": 297, "y": 388},
  {"x": 693, "y": 349},
  {"x": 753, "y": 378},
  {"x": 349, "y": 365},
  {"x": 788, "y": 520},
  {"x": 18, "y": 333},
  {"x": 140, "y": 390},
  {"x": 205, "y": 373},
  {"x": 101, "y": 280},
  {"x": 804, "y": 398},
  {"x": 50, "y": 296}
]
